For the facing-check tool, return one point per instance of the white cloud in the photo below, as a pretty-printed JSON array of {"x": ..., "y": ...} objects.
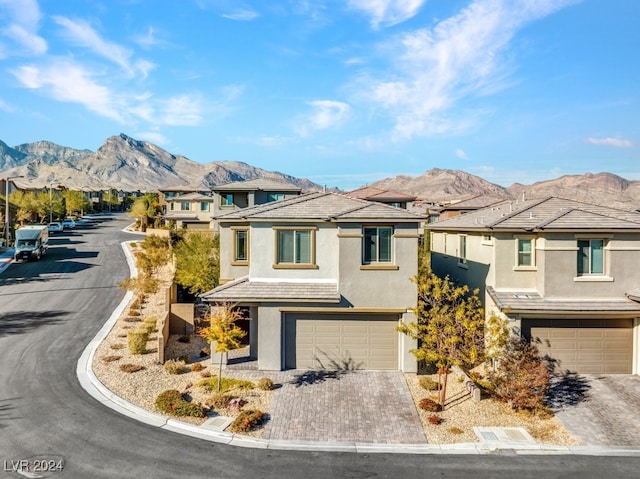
[
  {"x": 325, "y": 114},
  {"x": 82, "y": 34},
  {"x": 460, "y": 153},
  {"x": 182, "y": 110},
  {"x": 69, "y": 82},
  {"x": 462, "y": 56},
  {"x": 147, "y": 40},
  {"x": 387, "y": 12},
  {"x": 614, "y": 142},
  {"x": 24, "y": 21},
  {"x": 154, "y": 137},
  {"x": 242, "y": 15}
]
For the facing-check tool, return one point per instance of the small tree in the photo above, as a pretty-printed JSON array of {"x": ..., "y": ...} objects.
[
  {"x": 197, "y": 262},
  {"x": 223, "y": 331},
  {"x": 522, "y": 379},
  {"x": 449, "y": 326}
]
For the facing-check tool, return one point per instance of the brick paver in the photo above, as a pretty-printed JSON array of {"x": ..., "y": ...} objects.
[
  {"x": 347, "y": 406},
  {"x": 608, "y": 414}
]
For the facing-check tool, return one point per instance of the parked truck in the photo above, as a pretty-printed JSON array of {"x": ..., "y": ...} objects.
[{"x": 32, "y": 242}]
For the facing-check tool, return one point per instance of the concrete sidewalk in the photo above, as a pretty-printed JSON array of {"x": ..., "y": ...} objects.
[{"x": 211, "y": 431}]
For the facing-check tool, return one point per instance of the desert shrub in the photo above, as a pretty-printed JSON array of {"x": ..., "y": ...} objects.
[
  {"x": 205, "y": 374},
  {"x": 434, "y": 419},
  {"x": 134, "y": 312},
  {"x": 430, "y": 405},
  {"x": 137, "y": 341},
  {"x": 175, "y": 367},
  {"x": 172, "y": 402},
  {"x": 227, "y": 384},
  {"x": 219, "y": 400},
  {"x": 429, "y": 384},
  {"x": 184, "y": 358},
  {"x": 522, "y": 378},
  {"x": 455, "y": 430},
  {"x": 197, "y": 367},
  {"x": 184, "y": 339},
  {"x": 132, "y": 319},
  {"x": 117, "y": 346},
  {"x": 122, "y": 335},
  {"x": 247, "y": 421},
  {"x": 266, "y": 384},
  {"x": 131, "y": 368},
  {"x": 110, "y": 358},
  {"x": 149, "y": 325}
]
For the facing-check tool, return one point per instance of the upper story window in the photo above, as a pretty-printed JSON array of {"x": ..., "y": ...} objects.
[
  {"x": 226, "y": 199},
  {"x": 241, "y": 246},
  {"x": 396, "y": 204},
  {"x": 377, "y": 245},
  {"x": 462, "y": 249},
  {"x": 295, "y": 247},
  {"x": 525, "y": 251},
  {"x": 590, "y": 257},
  {"x": 204, "y": 206},
  {"x": 171, "y": 206},
  {"x": 271, "y": 196},
  {"x": 185, "y": 206},
  {"x": 169, "y": 194}
]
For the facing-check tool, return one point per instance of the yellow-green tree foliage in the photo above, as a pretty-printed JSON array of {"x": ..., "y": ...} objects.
[
  {"x": 198, "y": 262},
  {"x": 75, "y": 201},
  {"x": 223, "y": 332},
  {"x": 449, "y": 326}
]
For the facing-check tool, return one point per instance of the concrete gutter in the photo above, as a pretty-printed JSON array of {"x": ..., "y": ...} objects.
[{"x": 99, "y": 391}]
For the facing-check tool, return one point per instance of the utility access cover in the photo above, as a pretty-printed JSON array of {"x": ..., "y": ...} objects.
[{"x": 512, "y": 435}]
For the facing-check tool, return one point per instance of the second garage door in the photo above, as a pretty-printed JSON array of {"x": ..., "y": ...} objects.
[
  {"x": 343, "y": 343},
  {"x": 585, "y": 346}
]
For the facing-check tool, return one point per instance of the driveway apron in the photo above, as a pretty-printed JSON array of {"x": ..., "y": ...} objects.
[
  {"x": 343, "y": 406},
  {"x": 604, "y": 410}
]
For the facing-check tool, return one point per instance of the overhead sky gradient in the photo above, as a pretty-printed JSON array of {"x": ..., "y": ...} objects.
[{"x": 341, "y": 92}]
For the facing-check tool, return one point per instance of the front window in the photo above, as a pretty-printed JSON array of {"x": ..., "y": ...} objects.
[
  {"x": 204, "y": 206},
  {"x": 525, "y": 252},
  {"x": 171, "y": 206},
  {"x": 185, "y": 205},
  {"x": 462, "y": 250},
  {"x": 275, "y": 196},
  {"x": 226, "y": 199},
  {"x": 377, "y": 245},
  {"x": 294, "y": 246},
  {"x": 241, "y": 246},
  {"x": 590, "y": 257}
]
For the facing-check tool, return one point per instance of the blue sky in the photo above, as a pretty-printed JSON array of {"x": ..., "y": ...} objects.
[{"x": 341, "y": 92}]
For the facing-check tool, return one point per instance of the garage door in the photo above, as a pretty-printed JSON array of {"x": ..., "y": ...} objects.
[
  {"x": 344, "y": 343},
  {"x": 585, "y": 346}
]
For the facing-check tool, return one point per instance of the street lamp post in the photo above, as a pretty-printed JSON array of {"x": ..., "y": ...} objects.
[{"x": 7, "y": 220}]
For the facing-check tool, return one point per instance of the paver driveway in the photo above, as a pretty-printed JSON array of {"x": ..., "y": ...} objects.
[
  {"x": 601, "y": 410},
  {"x": 344, "y": 406}
]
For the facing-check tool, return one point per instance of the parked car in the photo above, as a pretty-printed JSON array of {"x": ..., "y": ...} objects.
[
  {"x": 68, "y": 223},
  {"x": 55, "y": 227}
]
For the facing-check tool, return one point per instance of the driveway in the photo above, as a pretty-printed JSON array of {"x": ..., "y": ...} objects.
[
  {"x": 343, "y": 406},
  {"x": 600, "y": 410}
]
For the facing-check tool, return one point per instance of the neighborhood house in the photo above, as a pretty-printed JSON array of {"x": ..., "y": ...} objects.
[
  {"x": 563, "y": 272},
  {"x": 325, "y": 279}
]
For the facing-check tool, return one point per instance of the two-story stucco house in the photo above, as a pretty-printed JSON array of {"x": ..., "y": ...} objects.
[
  {"x": 565, "y": 272},
  {"x": 187, "y": 207},
  {"x": 326, "y": 280}
]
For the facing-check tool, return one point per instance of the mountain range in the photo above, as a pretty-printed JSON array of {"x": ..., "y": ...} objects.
[{"x": 128, "y": 164}]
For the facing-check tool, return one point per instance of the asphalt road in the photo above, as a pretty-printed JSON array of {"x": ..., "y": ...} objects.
[{"x": 50, "y": 310}]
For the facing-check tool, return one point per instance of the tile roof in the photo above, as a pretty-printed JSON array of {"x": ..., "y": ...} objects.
[
  {"x": 372, "y": 193},
  {"x": 181, "y": 188},
  {"x": 258, "y": 184},
  {"x": 533, "y": 302},
  {"x": 478, "y": 201},
  {"x": 323, "y": 206},
  {"x": 244, "y": 290},
  {"x": 547, "y": 214},
  {"x": 190, "y": 197}
]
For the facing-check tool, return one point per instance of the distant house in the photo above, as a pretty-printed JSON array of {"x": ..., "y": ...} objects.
[
  {"x": 466, "y": 205},
  {"x": 388, "y": 197},
  {"x": 565, "y": 272},
  {"x": 190, "y": 210},
  {"x": 325, "y": 279}
]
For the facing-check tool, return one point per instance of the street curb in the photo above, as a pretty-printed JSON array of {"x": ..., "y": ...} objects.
[{"x": 92, "y": 385}]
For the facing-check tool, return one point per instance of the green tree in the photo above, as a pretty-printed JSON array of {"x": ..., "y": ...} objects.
[
  {"x": 75, "y": 201},
  {"x": 26, "y": 204},
  {"x": 145, "y": 208},
  {"x": 198, "y": 262},
  {"x": 223, "y": 332},
  {"x": 449, "y": 326},
  {"x": 156, "y": 252}
]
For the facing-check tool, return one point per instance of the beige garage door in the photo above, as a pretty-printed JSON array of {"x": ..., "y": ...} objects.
[
  {"x": 337, "y": 343},
  {"x": 586, "y": 346}
]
